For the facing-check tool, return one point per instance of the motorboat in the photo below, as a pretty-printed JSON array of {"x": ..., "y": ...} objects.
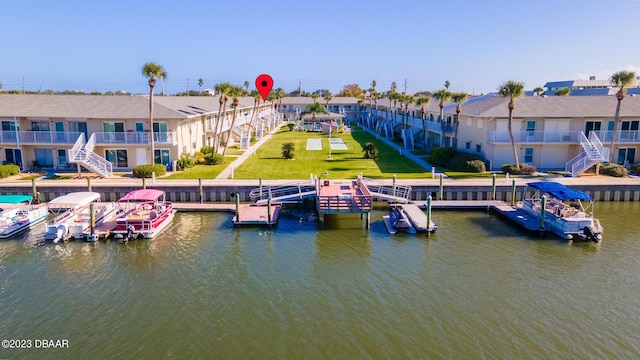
[
  {"x": 145, "y": 213},
  {"x": 568, "y": 213},
  {"x": 398, "y": 221},
  {"x": 71, "y": 215},
  {"x": 18, "y": 213}
]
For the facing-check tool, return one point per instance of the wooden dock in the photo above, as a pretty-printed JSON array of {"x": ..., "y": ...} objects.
[
  {"x": 418, "y": 218},
  {"x": 249, "y": 215}
]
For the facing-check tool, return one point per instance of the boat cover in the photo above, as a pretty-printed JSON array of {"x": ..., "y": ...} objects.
[
  {"x": 143, "y": 195},
  {"x": 559, "y": 191},
  {"x": 82, "y": 198},
  {"x": 14, "y": 199}
]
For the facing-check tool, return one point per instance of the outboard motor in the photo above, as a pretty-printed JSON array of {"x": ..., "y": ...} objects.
[
  {"x": 131, "y": 233},
  {"x": 590, "y": 233}
]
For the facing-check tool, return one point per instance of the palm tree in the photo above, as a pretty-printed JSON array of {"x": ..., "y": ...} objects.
[
  {"x": 512, "y": 89},
  {"x": 222, "y": 90},
  {"x": 315, "y": 97},
  {"x": 621, "y": 79},
  {"x": 423, "y": 102},
  {"x": 200, "y": 83},
  {"x": 327, "y": 98},
  {"x": 393, "y": 95},
  {"x": 235, "y": 93},
  {"x": 280, "y": 94},
  {"x": 152, "y": 71},
  {"x": 565, "y": 91},
  {"x": 458, "y": 98},
  {"x": 447, "y": 84},
  {"x": 246, "y": 85},
  {"x": 443, "y": 95},
  {"x": 538, "y": 90},
  {"x": 408, "y": 100}
]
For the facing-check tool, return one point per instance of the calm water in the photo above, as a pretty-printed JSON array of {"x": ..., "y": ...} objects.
[{"x": 479, "y": 288}]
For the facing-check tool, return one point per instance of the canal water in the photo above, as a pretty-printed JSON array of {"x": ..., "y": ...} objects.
[{"x": 478, "y": 288}]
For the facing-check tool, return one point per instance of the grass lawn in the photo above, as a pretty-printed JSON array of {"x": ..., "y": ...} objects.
[
  {"x": 345, "y": 164},
  {"x": 201, "y": 171}
]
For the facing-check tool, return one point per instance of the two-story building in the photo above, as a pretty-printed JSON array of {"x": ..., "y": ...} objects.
[{"x": 105, "y": 133}]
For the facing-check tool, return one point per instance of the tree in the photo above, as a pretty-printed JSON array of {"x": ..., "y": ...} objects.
[
  {"x": 287, "y": 150},
  {"x": 621, "y": 79},
  {"x": 327, "y": 98},
  {"x": 235, "y": 93},
  {"x": 391, "y": 95},
  {"x": 423, "y": 102},
  {"x": 200, "y": 83},
  {"x": 447, "y": 84},
  {"x": 280, "y": 94},
  {"x": 222, "y": 90},
  {"x": 443, "y": 95},
  {"x": 246, "y": 85},
  {"x": 152, "y": 71},
  {"x": 408, "y": 100},
  {"x": 315, "y": 97},
  {"x": 458, "y": 98},
  {"x": 512, "y": 89},
  {"x": 565, "y": 91},
  {"x": 370, "y": 150},
  {"x": 352, "y": 90},
  {"x": 538, "y": 90}
]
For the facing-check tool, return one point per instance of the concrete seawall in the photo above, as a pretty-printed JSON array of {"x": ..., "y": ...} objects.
[{"x": 607, "y": 189}]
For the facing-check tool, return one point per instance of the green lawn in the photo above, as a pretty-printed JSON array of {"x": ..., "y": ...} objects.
[{"x": 347, "y": 164}]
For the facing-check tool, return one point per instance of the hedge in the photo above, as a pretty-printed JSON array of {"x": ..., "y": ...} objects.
[
  {"x": 213, "y": 159},
  {"x": 635, "y": 169},
  {"x": 513, "y": 170},
  {"x": 614, "y": 170},
  {"x": 145, "y": 171},
  {"x": 466, "y": 162},
  {"x": 9, "y": 170},
  {"x": 440, "y": 155}
]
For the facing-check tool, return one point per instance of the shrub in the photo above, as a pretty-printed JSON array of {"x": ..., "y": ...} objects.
[
  {"x": 9, "y": 170},
  {"x": 291, "y": 126},
  {"x": 524, "y": 169},
  {"x": 213, "y": 159},
  {"x": 145, "y": 171},
  {"x": 206, "y": 150},
  {"x": 635, "y": 169},
  {"x": 370, "y": 150},
  {"x": 461, "y": 161},
  {"x": 287, "y": 150},
  {"x": 440, "y": 155},
  {"x": 186, "y": 161},
  {"x": 614, "y": 170}
]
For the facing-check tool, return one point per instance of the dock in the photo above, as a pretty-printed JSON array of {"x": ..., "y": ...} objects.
[
  {"x": 418, "y": 218},
  {"x": 249, "y": 215}
]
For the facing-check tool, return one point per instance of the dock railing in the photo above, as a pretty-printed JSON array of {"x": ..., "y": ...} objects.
[{"x": 279, "y": 191}]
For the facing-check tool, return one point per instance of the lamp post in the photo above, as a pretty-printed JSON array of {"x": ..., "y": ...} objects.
[{"x": 330, "y": 131}]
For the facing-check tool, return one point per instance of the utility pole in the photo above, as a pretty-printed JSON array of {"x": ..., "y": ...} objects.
[
  {"x": 299, "y": 87},
  {"x": 187, "y": 86},
  {"x": 405, "y": 86}
]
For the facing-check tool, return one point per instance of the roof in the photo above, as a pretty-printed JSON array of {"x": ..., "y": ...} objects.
[
  {"x": 305, "y": 100},
  {"x": 143, "y": 195},
  {"x": 559, "y": 191},
  {"x": 110, "y": 106},
  {"x": 70, "y": 200},
  {"x": 551, "y": 107},
  {"x": 14, "y": 199}
]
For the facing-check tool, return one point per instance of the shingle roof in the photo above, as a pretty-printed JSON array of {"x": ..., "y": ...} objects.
[
  {"x": 305, "y": 100},
  {"x": 109, "y": 107},
  {"x": 552, "y": 106}
]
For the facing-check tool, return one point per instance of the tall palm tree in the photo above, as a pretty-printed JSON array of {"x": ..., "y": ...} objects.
[
  {"x": 512, "y": 89},
  {"x": 443, "y": 95},
  {"x": 327, "y": 98},
  {"x": 458, "y": 98},
  {"x": 200, "y": 83},
  {"x": 447, "y": 84},
  {"x": 621, "y": 79},
  {"x": 246, "y": 86},
  {"x": 565, "y": 91},
  {"x": 152, "y": 71},
  {"x": 235, "y": 93},
  {"x": 315, "y": 97},
  {"x": 280, "y": 94},
  {"x": 423, "y": 102},
  {"x": 222, "y": 90},
  {"x": 408, "y": 100}
]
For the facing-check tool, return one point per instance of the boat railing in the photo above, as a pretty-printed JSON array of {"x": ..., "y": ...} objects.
[{"x": 62, "y": 217}]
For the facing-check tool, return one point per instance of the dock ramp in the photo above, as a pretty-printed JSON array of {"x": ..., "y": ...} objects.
[
  {"x": 295, "y": 191},
  {"x": 388, "y": 191}
]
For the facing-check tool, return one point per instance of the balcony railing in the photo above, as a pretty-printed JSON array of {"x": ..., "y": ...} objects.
[
  {"x": 536, "y": 137},
  {"x": 38, "y": 137},
  {"x": 632, "y": 136},
  {"x": 135, "y": 138}
]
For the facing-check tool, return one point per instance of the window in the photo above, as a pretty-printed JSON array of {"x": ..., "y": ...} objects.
[
  {"x": 162, "y": 156},
  {"x": 9, "y": 126},
  {"x": 13, "y": 156},
  {"x": 44, "y": 157},
  {"x": 478, "y": 148},
  {"x": 118, "y": 158},
  {"x": 626, "y": 156},
  {"x": 592, "y": 126},
  {"x": 62, "y": 158},
  {"x": 528, "y": 155},
  {"x": 40, "y": 125},
  {"x": 468, "y": 145},
  {"x": 139, "y": 127}
]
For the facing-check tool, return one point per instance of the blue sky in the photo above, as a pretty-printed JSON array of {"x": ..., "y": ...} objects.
[{"x": 476, "y": 45}]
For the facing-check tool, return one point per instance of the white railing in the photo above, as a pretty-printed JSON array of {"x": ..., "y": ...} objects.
[
  {"x": 75, "y": 152},
  {"x": 593, "y": 151},
  {"x": 99, "y": 164},
  {"x": 282, "y": 190},
  {"x": 135, "y": 138},
  {"x": 536, "y": 136},
  {"x": 91, "y": 143},
  {"x": 38, "y": 137},
  {"x": 604, "y": 152}
]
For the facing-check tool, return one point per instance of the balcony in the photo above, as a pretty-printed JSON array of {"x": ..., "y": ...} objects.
[
  {"x": 558, "y": 137},
  {"x": 38, "y": 137},
  {"x": 135, "y": 138},
  {"x": 623, "y": 136}
]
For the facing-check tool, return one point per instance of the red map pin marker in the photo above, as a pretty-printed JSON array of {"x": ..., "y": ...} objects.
[{"x": 264, "y": 83}]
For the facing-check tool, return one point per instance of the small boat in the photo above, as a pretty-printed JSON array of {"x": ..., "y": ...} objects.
[
  {"x": 71, "y": 215},
  {"x": 145, "y": 213},
  {"x": 397, "y": 221},
  {"x": 18, "y": 213},
  {"x": 568, "y": 213}
]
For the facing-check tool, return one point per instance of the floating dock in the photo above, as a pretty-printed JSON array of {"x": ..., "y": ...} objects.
[
  {"x": 418, "y": 218},
  {"x": 249, "y": 215}
]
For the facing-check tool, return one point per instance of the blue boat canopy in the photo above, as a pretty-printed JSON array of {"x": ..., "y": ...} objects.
[
  {"x": 559, "y": 191},
  {"x": 14, "y": 199}
]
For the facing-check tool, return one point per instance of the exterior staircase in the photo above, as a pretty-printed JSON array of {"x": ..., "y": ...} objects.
[
  {"x": 82, "y": 153},
  {"x": 592, "y": 152}
]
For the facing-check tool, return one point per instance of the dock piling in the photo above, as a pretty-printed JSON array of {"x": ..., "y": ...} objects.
[
  {"x": 200, "y": 187},
  {"x": 493, "y": 186},
  {"x": 513, "y": 192},
  {"x": 269, "y": 211},
  {"x": 428, "y": 215},
  {"x": 237, "y": 209},
  {"x": 144, "y": 183},
  {"x": 543, "y": 206},
  {"x": 441, "y": 188},
  {"x": 89, "y": 184},
  {"x": 33, "y": 189},
  {"x": 260, "y": 184}
]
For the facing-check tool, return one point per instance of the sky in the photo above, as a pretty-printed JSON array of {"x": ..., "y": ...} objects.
[{"x": 475, "y": 45}]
